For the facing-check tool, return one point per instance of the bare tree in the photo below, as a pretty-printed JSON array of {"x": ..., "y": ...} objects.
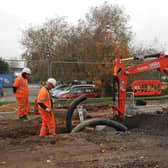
[{"x": 100, "y": 37}]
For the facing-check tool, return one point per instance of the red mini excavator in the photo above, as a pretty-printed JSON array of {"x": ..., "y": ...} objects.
[{"x": 120, "y": 74}]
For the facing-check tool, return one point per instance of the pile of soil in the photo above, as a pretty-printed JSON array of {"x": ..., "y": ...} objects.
[
  {"x": 151, "y": 124},
  {"x": 11, "y": 107}
]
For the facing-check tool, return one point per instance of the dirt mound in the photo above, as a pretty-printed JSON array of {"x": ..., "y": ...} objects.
[
  {"x": 11, "y": 107},
  {"x": 20, "y": 129},
  {"x": 152, "y": 124}
]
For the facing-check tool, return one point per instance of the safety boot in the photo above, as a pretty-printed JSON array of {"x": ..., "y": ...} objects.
[
  {"x": 21, "y": 118},
  {"x": 25, "y": 118}
]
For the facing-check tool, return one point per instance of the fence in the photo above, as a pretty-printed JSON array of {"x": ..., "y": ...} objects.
[
  {"x": 66, "y": 71},
  {"x": 69, "y": 71},
  {"x": 62, "y": 70}
]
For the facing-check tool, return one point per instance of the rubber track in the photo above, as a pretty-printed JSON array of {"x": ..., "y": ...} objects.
[
  {"x": 99, "y": 121},
  {"x": 71, "y": 110}
]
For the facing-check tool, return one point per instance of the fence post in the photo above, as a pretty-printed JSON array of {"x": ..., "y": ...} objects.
[{"x": 49, "y": 69}]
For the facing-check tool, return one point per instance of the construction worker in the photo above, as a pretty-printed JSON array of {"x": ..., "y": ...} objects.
[
  {"x": 45, "y": 108},
  {"x": 21, "y": 91}
]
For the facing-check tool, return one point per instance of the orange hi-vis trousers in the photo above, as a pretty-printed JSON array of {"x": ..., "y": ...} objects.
[
  {"x": 23, "y": 106},
  {"x": 48, "y": 123}
]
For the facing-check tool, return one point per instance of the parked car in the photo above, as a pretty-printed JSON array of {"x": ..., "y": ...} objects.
[
  {"x": 70, "y": 87},
  {"x": 89, "y": 91},
  {"x": 57, "y": 89}
]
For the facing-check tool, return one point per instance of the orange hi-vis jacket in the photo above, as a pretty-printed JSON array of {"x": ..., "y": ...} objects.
[
  {"x": 22, "y": 87},
  {"x": 48, "y": 120},
  {"x": 44, "y": 97}
]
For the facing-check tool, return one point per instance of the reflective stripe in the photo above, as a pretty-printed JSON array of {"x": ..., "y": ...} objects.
[
  {"x": 52, "y": 129},
  {"x": 48, "y": 96},
  {"x": 43, "y": 128},
  {"x": 43, "y": 99},
  {"x": 23, "y": 85},
  {"x": 23, "y": 108}
]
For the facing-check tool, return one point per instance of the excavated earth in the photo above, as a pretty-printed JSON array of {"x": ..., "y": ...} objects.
[{"x": 144, "y": 145}]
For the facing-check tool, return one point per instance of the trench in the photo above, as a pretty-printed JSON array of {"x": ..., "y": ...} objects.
[
  {"x": 19, "y": 129},
  {"x": 152, "y": 124}
]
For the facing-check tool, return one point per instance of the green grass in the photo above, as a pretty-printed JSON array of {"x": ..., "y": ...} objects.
[
  {"x": 3, "y": 103},
  {"x": 152, "y": 98},
  {"x": 109, "y": 100},
  {"x": 96, "y": 100}
]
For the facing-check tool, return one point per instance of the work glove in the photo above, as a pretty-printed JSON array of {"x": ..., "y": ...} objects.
[{"x": 48, "y": 110}]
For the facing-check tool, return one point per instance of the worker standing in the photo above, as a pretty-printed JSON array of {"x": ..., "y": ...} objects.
[
  {"x": 21, "y": 91},
  {"x": 45, "y": 108}
]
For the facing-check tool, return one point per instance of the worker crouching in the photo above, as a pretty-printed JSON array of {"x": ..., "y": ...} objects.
[{"x": 45, "y": 108}]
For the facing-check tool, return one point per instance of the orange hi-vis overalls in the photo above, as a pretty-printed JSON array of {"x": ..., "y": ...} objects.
[
  {"x": 48, "y": 120},
  {"x": 22, "y": 96}
]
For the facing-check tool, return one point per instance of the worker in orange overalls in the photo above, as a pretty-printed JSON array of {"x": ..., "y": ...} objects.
[
  {"x": 45, "y": 108},
  {"x": 21, "y": 91}
]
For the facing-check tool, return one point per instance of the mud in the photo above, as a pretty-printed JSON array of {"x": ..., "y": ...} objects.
[{"x": 144, "y": 145}]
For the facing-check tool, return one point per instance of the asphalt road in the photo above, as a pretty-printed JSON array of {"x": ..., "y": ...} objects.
[{"x": 9, "y": 96}]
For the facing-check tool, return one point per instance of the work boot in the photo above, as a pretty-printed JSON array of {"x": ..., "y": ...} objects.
[
  {"x": 24, "y": 118},
  {"x": 42, "y": 136},
  {"x": 21, "y": 118}
]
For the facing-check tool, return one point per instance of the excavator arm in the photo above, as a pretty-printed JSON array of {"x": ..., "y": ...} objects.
[{"x": 120, "y": 75}]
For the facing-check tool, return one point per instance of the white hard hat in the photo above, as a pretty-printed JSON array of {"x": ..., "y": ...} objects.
[
  {"x": 52, "y": 81},
  {"x": 26, "y": 70}
]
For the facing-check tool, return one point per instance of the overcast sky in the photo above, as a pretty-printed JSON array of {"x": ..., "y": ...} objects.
[{"x": 148, "y": 19}]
